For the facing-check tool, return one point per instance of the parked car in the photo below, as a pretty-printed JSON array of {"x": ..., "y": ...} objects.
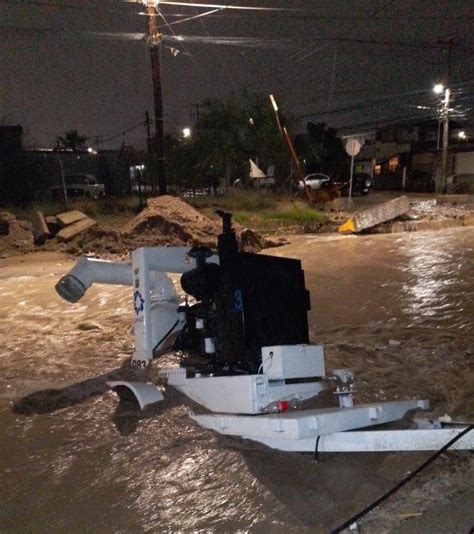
[
  {"x": 315, "y": 181},
  {"x": 362, "y": 184},
  {"x": 80, "y": 185}
]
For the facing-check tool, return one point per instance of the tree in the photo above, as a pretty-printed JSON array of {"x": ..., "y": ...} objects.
[
  {"x": 71, "y": 140},
  {"x": 228, "y": 133},
  {"x": 322, "y": 150}
]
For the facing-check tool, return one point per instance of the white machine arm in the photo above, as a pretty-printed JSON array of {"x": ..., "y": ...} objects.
[{"x": 88, "y": 271}]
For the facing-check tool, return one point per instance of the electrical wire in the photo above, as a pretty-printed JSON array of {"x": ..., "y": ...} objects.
[
  {"x": 248, "y": 42},
  {"x": 57, "y": 5},
  {"x": 383, "y": 8},
  {"x": 216, "y": 54},
  {"x": 230, "y": 6},
  {"x": 269, "y": 357},
  {"x": 166, "y": 335},
  {"x": 331, "y": 87},
  {"x": 173, "y": 32},
  {"x": 194, "y": 17},
  {"x": 374, "y": 101},
  {"x": 288, "y": 13},
  {"x": 230, "y": 40},
  {"x": 402, "y": 482},
  {"x": 115, "y": 136}
]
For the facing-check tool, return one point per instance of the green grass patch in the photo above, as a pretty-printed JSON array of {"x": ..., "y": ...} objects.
[
  {"x": 242, "y": 217},
  {"x": 296, "y": 216}
]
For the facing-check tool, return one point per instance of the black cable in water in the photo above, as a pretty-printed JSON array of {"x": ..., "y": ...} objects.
[
  {"x": 166, "y": 335},
  {"x": 316, "y": 450},
  {"x": 402, "y": 482}
]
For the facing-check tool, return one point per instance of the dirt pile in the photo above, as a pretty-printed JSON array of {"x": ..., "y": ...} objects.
[
  {"x": 16, "y": 235},
  {"x": 166, "y": 221},
  {"x": 172, "y": 221}
]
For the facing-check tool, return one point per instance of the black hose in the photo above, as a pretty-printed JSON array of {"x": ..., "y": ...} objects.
[
  {"x": 166, "y": 335},
  {"x": 402, "y": 482}
]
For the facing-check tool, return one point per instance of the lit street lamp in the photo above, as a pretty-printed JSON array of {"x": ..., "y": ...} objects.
[{"x": 186, "y": 132}]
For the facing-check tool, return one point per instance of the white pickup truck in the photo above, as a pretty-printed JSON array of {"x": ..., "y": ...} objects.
[{"x": 80, "y": 185}]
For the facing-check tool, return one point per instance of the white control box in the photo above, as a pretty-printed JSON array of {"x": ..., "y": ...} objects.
[{"x": 293, "y": 361}]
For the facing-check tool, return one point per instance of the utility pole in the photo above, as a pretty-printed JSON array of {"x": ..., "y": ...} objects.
[
  {"x": 151, "y": 174},
  {"x": 444, "y": 155},
  {"x": 447, "y": 96},
  {"x": 154, "y": 44},
  {"x": 198, "y": 111}
]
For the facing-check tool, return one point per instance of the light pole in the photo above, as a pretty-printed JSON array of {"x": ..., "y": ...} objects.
[
  {"x": 439, "y": 89},
  {"x": 154, "y": 39}
]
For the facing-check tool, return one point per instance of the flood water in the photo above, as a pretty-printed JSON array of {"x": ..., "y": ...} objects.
[{"x": 398, "y": 309}]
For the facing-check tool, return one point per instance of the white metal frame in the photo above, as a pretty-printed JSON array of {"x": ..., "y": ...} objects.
[
  {"x": 149, "y": 328},
  {"x": 243, "y": 394}
]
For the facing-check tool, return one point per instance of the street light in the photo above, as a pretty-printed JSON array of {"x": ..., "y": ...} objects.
[
  {"x": 186, "y": 132},
  {"x": 438, "y": 88},
  {"x": 462, "y": 134}
]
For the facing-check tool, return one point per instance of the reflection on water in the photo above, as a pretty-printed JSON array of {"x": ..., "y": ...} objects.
[
  {"x": 438, "y": 281},
  {"x": 71, "y": 470}
]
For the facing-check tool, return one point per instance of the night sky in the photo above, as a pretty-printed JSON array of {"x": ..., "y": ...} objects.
[{"x": 326, "y": 66}]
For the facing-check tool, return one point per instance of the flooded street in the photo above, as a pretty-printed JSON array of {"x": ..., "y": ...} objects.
[{"x": 398, "y": 309}]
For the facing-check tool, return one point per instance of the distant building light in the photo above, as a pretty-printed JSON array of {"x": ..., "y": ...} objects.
[
  {"x": 462, "y": 134},
  {"x": 91, "y": 150},
  {"x": 251, "y": 121},
  {"x": 186, "y": 132},
  {"x": 438, "y": 88},
  {"x": 393, "y": 164}
]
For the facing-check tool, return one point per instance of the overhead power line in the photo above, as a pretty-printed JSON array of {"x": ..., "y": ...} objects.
[
  {"x": 370, "y": 101},
  {"x": 301, "y": 14},
  {"x": 218, "y": 6},
  {"x": 243, "y": 41},
  {"x": 124, "y": 132}
]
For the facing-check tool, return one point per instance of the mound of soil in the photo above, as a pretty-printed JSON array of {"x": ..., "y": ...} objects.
[
  {"x": 16, "y": 237},
  {"x": 172, "y": 219},
  {"x": 166, "y": 221}
]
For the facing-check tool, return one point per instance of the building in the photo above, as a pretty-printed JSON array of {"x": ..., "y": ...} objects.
[
  {"x": 29, "y": 175},
  {"x": 408, "y": 157}
]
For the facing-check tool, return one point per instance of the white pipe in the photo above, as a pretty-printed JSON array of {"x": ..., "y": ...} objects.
[
  {"x": 87, "y": 271},
  {"x": 163, "y": 301}
]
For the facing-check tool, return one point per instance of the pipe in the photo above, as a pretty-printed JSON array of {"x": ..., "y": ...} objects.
[
  {"x": 87, "y": 271},
  {"x": 163, "y": 298}
]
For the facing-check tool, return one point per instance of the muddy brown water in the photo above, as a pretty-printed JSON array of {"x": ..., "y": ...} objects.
[{"x": 74, "y": 460}]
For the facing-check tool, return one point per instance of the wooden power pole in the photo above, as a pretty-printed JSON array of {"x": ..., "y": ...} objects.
[
  {"x": 150, "y": 151},
  {"x": 154, "y": 44}
]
